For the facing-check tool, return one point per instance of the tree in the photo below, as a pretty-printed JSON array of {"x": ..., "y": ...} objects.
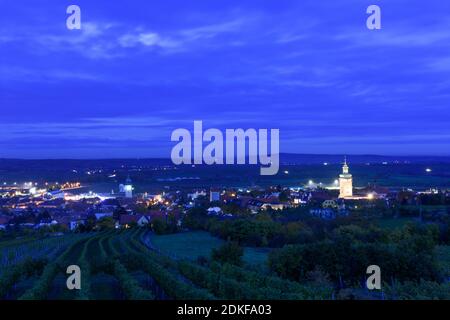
[
  {"x": 106, "y": 223},
  {"x": 165, "y": 225},
  {"x": 284, "y": 196},
  {"x": 159, "y": 226},
  {"x": 195, "y": 219},
  {"x": 89, "y": 224},
  {"x": 118, "y": 212},
  {"x": 229, "y": 252},
  {"x": 43, "y": 216}
]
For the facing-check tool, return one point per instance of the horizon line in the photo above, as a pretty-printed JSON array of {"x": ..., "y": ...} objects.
[{"x": 280, "y": 154}]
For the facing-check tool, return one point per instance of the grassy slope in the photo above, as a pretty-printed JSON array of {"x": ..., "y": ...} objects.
[
  {"x": 443, "y": 254},
  {"x": 394, "y": 223},
  {"x": 190, "y": 245}
]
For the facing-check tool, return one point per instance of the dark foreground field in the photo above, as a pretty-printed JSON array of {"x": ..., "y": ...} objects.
[
  {"x": 134, "y": 264},
  {"x": 118, "y": 265}
]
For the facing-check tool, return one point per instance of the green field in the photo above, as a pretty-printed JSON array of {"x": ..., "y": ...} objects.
[
  {"x": 119, "y": 265},
  {"x": 190, "y": 245},
  {"x": 394, "y": 223},
  {"x": 443, "y": 254}
]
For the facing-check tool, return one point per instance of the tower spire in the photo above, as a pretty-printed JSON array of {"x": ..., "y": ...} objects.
[
  {"x": 345, "y": 181},
  {"x": 345, "y": 166}
]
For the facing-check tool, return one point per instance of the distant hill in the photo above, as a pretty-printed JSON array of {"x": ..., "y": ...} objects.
[
  {"x": 285, "y": 158},
  {"x": 293, "y": 158}
]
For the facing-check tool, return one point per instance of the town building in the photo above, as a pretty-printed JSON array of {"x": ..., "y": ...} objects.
[
  {"x": 345, "y": 182},
  {"x": 214, "y": 195},
  {"x": 127, "y": 188}
]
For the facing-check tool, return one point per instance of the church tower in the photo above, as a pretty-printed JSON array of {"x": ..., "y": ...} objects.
[
  {"x": 127, "y": 188},
  {"x": 345, "y": 182}
]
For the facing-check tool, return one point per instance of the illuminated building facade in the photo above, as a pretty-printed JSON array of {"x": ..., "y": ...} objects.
[
  {"x": 345, "y": 182},
  {"x": 127, "y": 188}
]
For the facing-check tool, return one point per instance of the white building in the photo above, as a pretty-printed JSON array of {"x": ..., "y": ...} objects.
[
  {"x": 345, "y": 182},
  {"x": 214, "y": 196},
  {"x": 214, "y": 211},
  {"x": 127, "y": 188},
  {"x": 196, "y": 194}
]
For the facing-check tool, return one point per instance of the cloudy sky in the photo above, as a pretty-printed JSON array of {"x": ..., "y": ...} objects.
[{"x": 139, "y": 69}]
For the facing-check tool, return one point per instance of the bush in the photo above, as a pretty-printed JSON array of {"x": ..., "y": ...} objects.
[
  {"x": 23, "y": 270},
  {"x": 129, "y": 285},
  {"x": 229, "y": 252}
]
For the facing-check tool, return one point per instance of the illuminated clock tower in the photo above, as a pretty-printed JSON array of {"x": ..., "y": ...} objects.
[
  {"x": 345, "y": 182},
  {"x": 127, "y": 188}
]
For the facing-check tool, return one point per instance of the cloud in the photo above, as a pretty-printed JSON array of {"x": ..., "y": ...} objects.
[
  {"x": 212, "y": 30},
  {"x": 147, "y": 39},
  {"x": 319, "y": 76},
  {"x": 179, "y": 40},
  {"x": 98, "y": 40},
  {"x": 94, "y": 41},
  {"x": 34, "y": 75},
  {"x": 441, "y": 64},
  {"x": 401, "y": 36}
]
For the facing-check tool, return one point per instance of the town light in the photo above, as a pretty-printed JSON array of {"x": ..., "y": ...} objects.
[
  {"x": 428, "y": 170},
  {"x": 370, "y": 196}
]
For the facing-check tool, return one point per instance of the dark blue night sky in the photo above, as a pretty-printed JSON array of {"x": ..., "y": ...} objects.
[{"x": 139, "y": 69}]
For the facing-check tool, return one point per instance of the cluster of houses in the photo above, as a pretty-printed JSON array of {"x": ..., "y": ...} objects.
[
  {"x": 69, "y": 213},
  {"x": 57, "y": 208},
  {"x": 72, "y": 221}
]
